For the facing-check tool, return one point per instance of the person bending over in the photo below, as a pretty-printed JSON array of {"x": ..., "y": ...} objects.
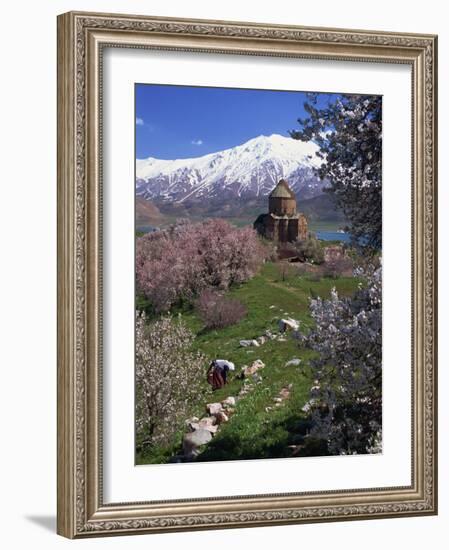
[{"x": 217, "y": 372}]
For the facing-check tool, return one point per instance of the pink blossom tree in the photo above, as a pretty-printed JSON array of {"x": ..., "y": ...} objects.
[{"x": 177, "y": 264}]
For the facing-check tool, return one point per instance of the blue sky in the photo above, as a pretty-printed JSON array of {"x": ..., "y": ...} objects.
[{"x": 186, "y": 121}]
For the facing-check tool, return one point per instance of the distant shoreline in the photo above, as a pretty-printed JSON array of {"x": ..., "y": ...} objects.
[{"x": 321, "y": 235}]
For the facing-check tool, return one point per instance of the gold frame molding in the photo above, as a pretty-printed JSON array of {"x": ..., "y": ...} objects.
[{"x": 81, "y": 38}]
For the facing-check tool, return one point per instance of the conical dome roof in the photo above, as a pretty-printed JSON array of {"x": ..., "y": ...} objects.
[{"x": 282, "y": 191}]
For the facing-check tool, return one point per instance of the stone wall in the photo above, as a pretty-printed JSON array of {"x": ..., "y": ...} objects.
[
  {"x": 281, "y": 206},
  {"x": 282, "y": 229}
]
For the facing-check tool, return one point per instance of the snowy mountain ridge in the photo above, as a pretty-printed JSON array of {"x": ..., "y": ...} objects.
[{"x": 248, "y": 170}]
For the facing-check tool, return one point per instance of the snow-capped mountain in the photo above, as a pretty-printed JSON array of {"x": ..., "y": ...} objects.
[{"x": 248, "y": 170}]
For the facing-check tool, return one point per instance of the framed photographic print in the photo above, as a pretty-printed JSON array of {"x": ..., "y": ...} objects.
[{"x": 246, "y": 274}]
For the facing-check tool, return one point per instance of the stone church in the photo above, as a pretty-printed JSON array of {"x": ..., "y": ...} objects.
[{"x": 282, "y": 223}]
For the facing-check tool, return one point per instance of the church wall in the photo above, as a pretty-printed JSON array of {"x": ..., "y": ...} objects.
[
  {"x": 293, "y": 229},
  {"x": 271, "y": 229},
  {"x": 303, "y": 228},
  {"x": 281, "y": 206},
  {"x": 283, "y": 230}
]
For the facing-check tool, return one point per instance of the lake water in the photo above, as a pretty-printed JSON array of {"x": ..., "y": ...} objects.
[
  {"x": 333, "y": 236},
  {"x": 321, "y": 235},
  {"x": 146, "y": 228}
]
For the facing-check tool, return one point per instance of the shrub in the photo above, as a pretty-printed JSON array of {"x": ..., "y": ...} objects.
[
  {"x": 271, "y": 249},
  {"x": 310, "y": 250},
  {"x": 337, "y": 267},
  {"x": 169, "y": 379},
  {"x": 176, "y": 265},
  {"x": 217, "y": 311}
]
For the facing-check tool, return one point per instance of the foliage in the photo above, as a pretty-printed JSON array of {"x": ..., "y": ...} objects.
[
  {"x": 271, "y": 249},
  {"x": 336, "y": 267},
  {"x": 217, "y": 311},
  {"x": 169, "y": 378},
  {"x": 176, "y": 265},
  {"x": 349, "y": 133},
  {"x": 252, "y": 431},
  {"x": 347, "y": 393},
  {"x": 310, "y": 250}
]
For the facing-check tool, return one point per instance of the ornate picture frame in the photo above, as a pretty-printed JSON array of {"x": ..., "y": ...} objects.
[{"x": 82, "y": 38}]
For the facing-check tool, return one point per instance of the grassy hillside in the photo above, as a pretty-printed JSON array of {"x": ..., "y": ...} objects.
[{"x": 255, "y": 431}]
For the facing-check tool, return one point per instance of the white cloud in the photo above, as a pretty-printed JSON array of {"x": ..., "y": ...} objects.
[
  {"x": 197, "y": 142},
  {"x": 139, "y": 121}
]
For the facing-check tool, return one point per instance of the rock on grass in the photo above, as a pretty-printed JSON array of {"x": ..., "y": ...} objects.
[
  {"x": 293, "y": 362},
  {"x": 193, "y": 440}
]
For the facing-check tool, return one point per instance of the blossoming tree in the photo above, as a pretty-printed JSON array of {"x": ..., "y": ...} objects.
[
  {"x": 347, "y": 394},
  {"x": 175, "y": 265},
  {"x": 169, "y": 378}
]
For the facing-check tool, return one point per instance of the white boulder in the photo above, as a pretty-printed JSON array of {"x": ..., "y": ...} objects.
[
  {"x": 256, "y": 365},
  {"x": 288, "y": 324},
  {"x": 229, "y": 401},
  {"x": 193, "y": 440},
  {"x": 293, "y": 362},
  {"x": 213, "y": 408}
]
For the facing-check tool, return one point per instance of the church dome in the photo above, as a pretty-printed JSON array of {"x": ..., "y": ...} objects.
[
  {"x": 282, "y": 200},
  {"x": 282, "y": 191}
]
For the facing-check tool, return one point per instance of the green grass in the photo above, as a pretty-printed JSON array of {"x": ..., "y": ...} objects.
[{"x": 252, "y": 432}]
